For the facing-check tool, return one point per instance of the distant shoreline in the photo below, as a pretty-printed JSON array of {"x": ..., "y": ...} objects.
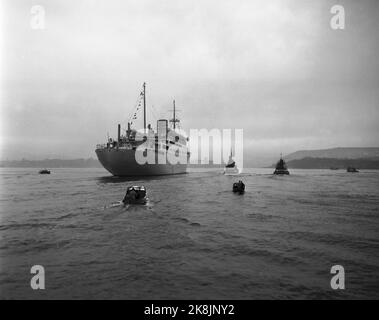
[
  {"x": 52, "y": 163},
  {"x": 329, "y": 163},
  {"x": 308, "y": 162}
]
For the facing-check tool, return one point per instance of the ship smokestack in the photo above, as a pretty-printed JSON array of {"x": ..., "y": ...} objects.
[{"x": 118, "y": 135}]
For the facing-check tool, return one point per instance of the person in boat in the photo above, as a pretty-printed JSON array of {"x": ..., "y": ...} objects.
[
  {"x": 135, "y": 195},
  {"x": 130, "y": 196},
  {"x": 239, "y": 187}
]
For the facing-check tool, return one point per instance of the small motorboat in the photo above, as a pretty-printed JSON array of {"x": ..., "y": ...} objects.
[
  {"x": 135, "y": 195},
  {"x": 281, "y": 167},
  {"x": 352, "y": 169},
  {"x": 44, "y": 171},
  {"x": 239, "y": 187}
]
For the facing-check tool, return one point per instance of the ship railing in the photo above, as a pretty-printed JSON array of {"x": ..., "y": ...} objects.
[{"x": 130, "y": 145}]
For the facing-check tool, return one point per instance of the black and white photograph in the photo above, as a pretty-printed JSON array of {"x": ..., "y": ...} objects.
[{"x": 207, "y": 151}]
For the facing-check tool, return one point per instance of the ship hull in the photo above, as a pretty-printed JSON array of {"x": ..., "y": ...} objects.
[
  {"x": 281, "y": 172},
  {"x": 121, "y": 162}
]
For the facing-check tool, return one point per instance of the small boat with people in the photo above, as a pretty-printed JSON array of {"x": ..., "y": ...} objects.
[
  {"x": 239, "y": 187},
  {"x": 352, "y": 169},
  {"x": 135, "y": 195},
  {"x": 281, "y": 167},
  {"x": 44, "y": 171}
]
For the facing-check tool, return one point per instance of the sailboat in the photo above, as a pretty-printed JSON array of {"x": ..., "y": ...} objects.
[{"x": 231, "y": 167}]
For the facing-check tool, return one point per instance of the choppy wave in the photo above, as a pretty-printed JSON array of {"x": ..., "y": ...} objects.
[{"x": 195, "y": 238}]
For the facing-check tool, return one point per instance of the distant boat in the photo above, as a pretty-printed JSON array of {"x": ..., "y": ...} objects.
[
  {"x": 44, "y": 171},
  {"x": 352, "y": 169},
  {"x": 231, "y": 167},
  {"x": 281, "y": 167},
  {"x": 334, "y": 168}
]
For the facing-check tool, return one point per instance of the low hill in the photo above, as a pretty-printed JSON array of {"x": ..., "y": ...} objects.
[
  {"x": 335, "y": 153},
  {"x": 327, "y": 163},
  {"x": 52, "y": 163}
]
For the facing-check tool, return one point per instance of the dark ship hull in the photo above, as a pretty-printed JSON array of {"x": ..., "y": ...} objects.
[
  {"x": 281, "y": 172},
  {"x": 122, "y": 162}
]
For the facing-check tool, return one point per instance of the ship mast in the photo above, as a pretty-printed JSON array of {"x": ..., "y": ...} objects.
[
  {"x": 144, "y": 106},
  {"x": 174, "y": 120},
  {"x": 174, "y": 116}
]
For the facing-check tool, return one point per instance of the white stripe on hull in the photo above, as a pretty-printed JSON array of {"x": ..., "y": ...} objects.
[{"x": 122, "y": 163}]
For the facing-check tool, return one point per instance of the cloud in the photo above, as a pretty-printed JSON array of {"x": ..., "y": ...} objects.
[{"x": 274, "y": 68}]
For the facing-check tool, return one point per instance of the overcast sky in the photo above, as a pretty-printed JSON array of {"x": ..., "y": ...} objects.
[{"x": 274, "y": 68}]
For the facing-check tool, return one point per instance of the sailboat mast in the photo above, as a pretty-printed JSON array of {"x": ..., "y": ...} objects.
[
  {"x": 174, "y": 116},
  {"x": 144, "y": 106}
]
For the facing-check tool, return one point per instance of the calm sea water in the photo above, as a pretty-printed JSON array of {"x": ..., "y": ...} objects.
[{"x": 195, "y": 239}]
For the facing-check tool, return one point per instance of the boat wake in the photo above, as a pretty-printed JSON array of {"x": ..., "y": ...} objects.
[{"x": 126, "y": 206}]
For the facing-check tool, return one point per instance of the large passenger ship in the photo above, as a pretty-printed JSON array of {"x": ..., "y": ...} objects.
[{"x": 146, "y": 152}]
